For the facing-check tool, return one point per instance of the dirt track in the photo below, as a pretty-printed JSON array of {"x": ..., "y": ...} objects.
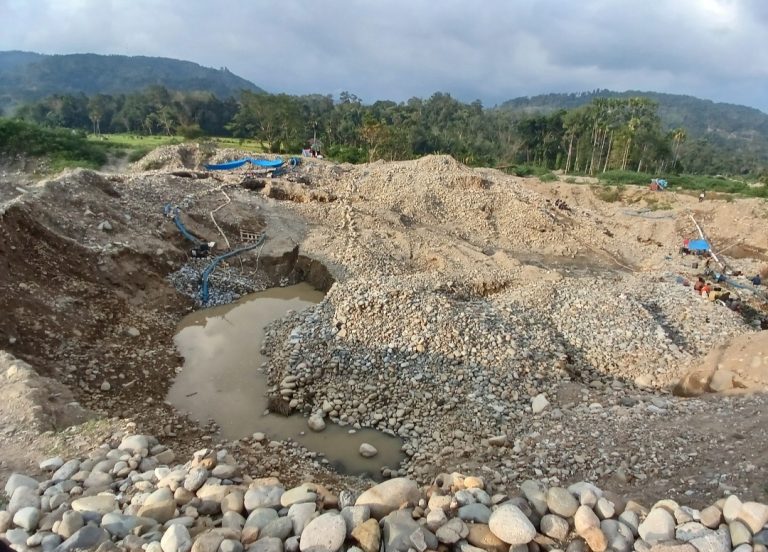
[{"x": 89, "y": 306}]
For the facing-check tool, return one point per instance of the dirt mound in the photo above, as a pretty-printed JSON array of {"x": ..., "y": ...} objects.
[{"x": 740, "y": 363}]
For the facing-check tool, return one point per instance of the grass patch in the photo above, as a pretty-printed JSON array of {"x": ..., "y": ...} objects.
[
  {"x": 609, "y": 194},
  {"x": 698, "y": 183}
]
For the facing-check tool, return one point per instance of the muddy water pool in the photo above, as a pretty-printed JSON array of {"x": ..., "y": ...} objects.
[{"x": 222, "y": 380}]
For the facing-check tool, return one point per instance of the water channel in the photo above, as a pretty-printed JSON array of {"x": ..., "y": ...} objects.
[{"x": 222, "y": 380}]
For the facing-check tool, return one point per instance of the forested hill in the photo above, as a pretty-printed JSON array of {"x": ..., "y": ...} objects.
[
  {"x": 697, "y": 116},
  {"x": 26, "y": 76},
  {"x": 725, "y": 131}
]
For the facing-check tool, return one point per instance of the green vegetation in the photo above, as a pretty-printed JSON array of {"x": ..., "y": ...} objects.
[
  {"x": 64, "y": 147},
  {"x": 609, "y": 194},
  {"x": 26, "y": 77},
  {"x": 698, "y": 183}
]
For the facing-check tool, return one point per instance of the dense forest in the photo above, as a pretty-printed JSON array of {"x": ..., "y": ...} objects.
[
  {"x": 26, "y": 76},
  {"x": 616, "y": 133}
]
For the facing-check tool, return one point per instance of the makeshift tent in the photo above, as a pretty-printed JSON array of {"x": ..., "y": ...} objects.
[
  {"x": 698, "y": 246},
  {"x": 265, "y": 163}
]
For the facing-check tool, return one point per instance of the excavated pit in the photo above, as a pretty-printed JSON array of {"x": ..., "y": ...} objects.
[{"x": 222, "y": 380}]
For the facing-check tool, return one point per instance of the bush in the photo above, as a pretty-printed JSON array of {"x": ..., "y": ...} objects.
[
  {"x": 65, "y": 147},
  {"x": 548, "y": 177},
  {"x": 347, "y": 154},
  {"x": 609, "y": 194}
]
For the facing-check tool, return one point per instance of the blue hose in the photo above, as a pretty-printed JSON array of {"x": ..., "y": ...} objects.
[
  {"x": 204, "y": 291},
  {"x": 180, "y": 225}
]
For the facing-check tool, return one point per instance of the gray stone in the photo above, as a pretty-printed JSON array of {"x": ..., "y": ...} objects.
[
  {"x": 66, "y": 471},
  {"x": 229, "y": 545},
  {"x": 263, "y": 496},
  {"x": 134, "y": 443},
  {"x": 658, "y": 526},
  {"x": 715, "y": 541},
  {"x": 436, "y": 519},
  {"x": 327, "y": 532},
  {"x": 561, "y": 502},
  {"x": 605, "y": 509},
  {"x": 302, "y": 493},
  {"x": 51, "y": 464},
  {"x": 354, "y": 516},
  {"x": 261, "y": 517},
  {"x": 209, "y": 541},
  {"x": 690, "y": 530},
  {"x": 225, "y": 471},
  {"x": 50, "y": 541},
  {"x": 554, "y": 527},
  {"x": 478, "y": 513},
  {"x": 5, "y": 521},
  {"x": 195, "y": 479},
  {"x": 280, "y": 528},
  {"x": 301, "y": 514},
  {"x": 631, "y": 520},
  {"x": 101, "y": 504},
  {"x": 452, "y": 532},
  {"x": 17, "y": 480},
  {"x": 87, "y": 538},
  {"x": 389, "y": 496},
  {"x": 71, "y": 522},
  {"x": 16, "y": 537},
  {"x": 267, "y": 545},
  {"x": 23, "y": 497},
  {"x": 399, "y": 528},
  {"x": 536, "y": 494},
  {"x": 27, "y": 518},
  {"x": 316, "y": 423},
  {"x": 539, "y": 403},
  {"x": 511, "y": 525},
  {"x": 176, "y": 539},
  {"x": 160, "y": 505},
  {"x": 367, "y": 450},
  {"x": 672, "y": 546},
  {"x": 97, "y": 480}
]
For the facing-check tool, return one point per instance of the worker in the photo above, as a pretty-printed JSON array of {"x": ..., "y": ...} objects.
[
  {"x": 701, "y": 197},
  {"x": 757, "y": 280},
  {"x": 698, "y": 285},
  {"x": 705, "y": 289}
]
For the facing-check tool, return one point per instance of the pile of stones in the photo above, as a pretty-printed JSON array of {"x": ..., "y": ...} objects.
[{"x": 131, "y": 495}]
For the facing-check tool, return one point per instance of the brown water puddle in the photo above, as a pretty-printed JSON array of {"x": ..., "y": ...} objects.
[{"x": 222, "y": 380}]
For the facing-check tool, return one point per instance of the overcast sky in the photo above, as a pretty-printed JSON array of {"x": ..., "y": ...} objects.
[{"x": 490, "y": 50}]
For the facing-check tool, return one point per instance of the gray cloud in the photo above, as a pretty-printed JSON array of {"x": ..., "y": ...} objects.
[{"x": 492, "y": 50}]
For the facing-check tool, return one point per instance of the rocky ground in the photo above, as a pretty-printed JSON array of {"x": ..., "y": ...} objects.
[
  {"x": 132, "y": 494},
  {"x": 502, "y": 327}
]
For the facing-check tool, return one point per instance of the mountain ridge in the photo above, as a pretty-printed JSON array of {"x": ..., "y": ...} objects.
[{"x": 29, "y": 76}]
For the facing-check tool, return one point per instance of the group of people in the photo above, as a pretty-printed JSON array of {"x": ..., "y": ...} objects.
[{"x": 713, "y": 292}]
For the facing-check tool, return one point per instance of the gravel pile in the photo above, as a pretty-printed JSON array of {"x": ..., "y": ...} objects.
[
  {"x": 226, "y": 285},
  {"x": 465, "y": 364},
  {"x": 133, "y": 494}
]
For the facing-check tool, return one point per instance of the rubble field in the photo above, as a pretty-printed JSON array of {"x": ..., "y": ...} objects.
[{"x": 530, "y": 335}]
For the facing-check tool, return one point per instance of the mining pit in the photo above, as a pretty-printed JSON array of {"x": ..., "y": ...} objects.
[{"x": 468, "y": 318}]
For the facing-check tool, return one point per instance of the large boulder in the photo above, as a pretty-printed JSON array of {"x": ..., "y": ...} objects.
[{"x": 389, "y": 496}]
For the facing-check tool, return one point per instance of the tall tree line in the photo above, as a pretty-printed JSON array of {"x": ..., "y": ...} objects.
[{"x": 606, "y": 134}]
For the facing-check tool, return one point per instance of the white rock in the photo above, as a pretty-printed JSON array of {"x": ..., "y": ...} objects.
[
  {"x": 176, "y": 539},
  {"x": 326, "y": 532},
  {"x": 539, "y": 403},
  {"x": 368, "y": 451},
  {"x": 511, "y": 525}
]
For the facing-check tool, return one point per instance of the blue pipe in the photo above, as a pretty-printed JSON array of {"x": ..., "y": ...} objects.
[
  {"x": 204, "y": 291},
  {"x": 180, "y": 225}
]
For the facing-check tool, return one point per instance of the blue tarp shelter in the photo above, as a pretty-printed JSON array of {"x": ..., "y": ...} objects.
[
  {"x": 264, "y": 163},
  {"x": 698, "y": 245}
]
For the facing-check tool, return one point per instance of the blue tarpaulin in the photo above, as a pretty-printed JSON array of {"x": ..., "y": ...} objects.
[
  {"x": 266, "y": 163},
  {"x": 698, "y": 245}
]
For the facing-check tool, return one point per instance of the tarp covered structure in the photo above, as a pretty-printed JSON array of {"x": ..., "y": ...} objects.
[
  {"x": 698, "y": 245},
  {"x": 265, "y": 163}
]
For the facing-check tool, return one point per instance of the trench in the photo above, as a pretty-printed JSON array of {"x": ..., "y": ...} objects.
[{"x": 222, "y": 380}]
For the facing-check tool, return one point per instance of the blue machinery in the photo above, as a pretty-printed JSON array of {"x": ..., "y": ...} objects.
[{"x": 169, "y": 210}]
